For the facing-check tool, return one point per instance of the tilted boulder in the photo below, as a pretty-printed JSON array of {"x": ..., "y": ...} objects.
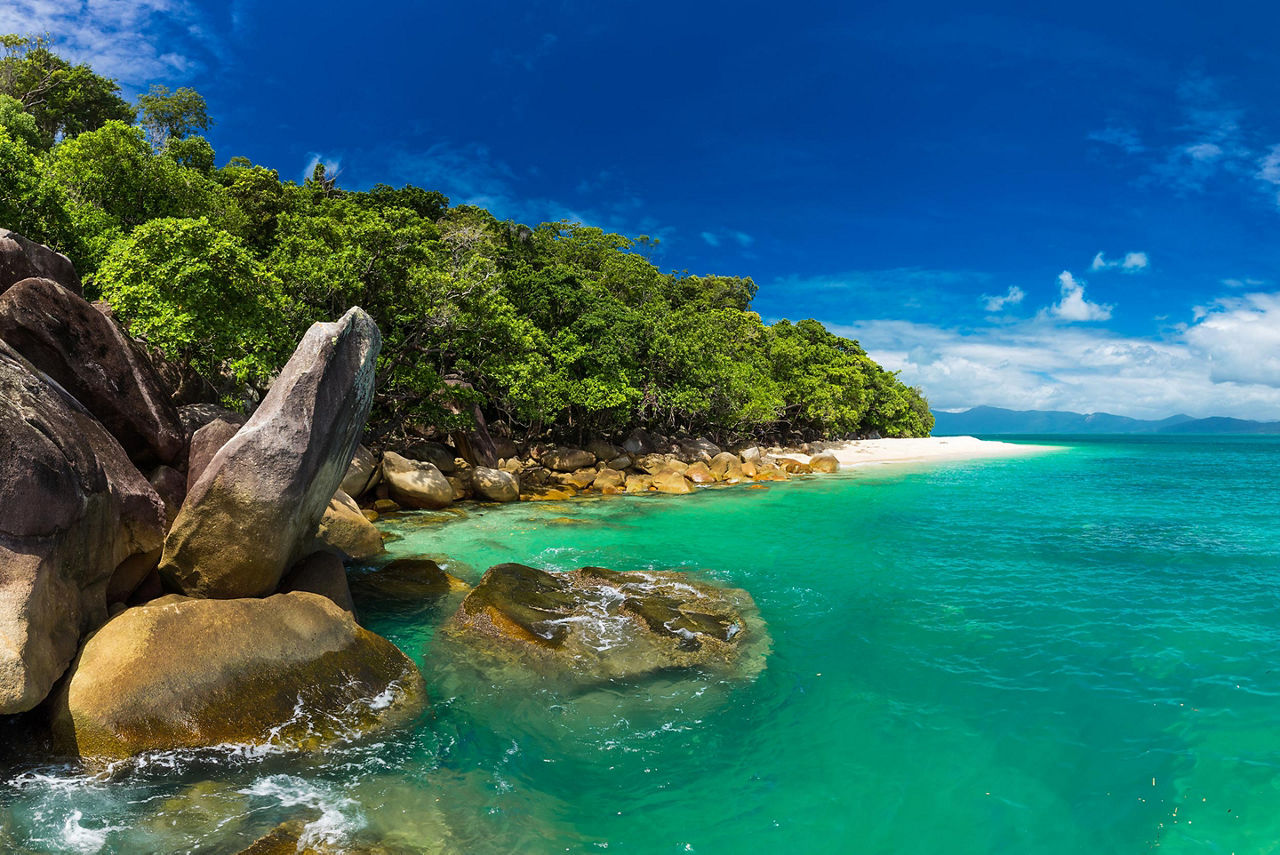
[
  {"x": 597, "y": 625},
  {"x": 76, "y": 517},
  {"x": 495, "y": 485},
  {"x": 415, "y": 484},
  {"x": 254, "y": 510},
  {"x": 567, "y": 459},
  {"x": 25, "y": 259},
  {"x": 91, "y": 357},
  {"x": 293, "y": 670},
  {"x": 346, "y": 530}
]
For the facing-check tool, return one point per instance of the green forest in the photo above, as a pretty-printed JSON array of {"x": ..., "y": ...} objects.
[{"x": 559, "y": 328}]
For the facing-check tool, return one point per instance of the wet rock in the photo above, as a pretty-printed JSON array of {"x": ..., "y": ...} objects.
[
  {"x": 362, "y": 474},
  {"x": 25, "y": 259},
  {"x": 548, "y": 494},
  {"x": 89, "y": 356},
  {"x": 184, "y": 673},
  {"x": 793, "y": 466},
  {"x": 494, "y": 485},
  {"x": 771, "y": 472},
  {"x": 75, "y": 514},
  {"x": 320, "y": 573},
  {"x": 345, "y": 530},
  {"x": 415, "y": 484},
  {"x": 597, "y": 625},
  {"x": 254, "y": 510},
  {"x": 567, "y": 459},
  {"x": 408, "y": 580}
]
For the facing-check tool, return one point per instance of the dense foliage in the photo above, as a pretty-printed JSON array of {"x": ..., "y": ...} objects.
[{"x": 559, "y": 327}]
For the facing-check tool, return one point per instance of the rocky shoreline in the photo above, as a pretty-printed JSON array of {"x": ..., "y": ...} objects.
[{"x": 174, "y": 578}]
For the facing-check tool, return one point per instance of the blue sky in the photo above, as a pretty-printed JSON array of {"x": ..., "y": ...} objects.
[{"x": 1070, "y": 208}]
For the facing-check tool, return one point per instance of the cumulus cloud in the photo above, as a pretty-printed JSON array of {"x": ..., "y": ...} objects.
[
  {"x": 332, "y": 166},
  {"x": 1073, "y": 306},
  {"x": 1133, "y": 262},
  {"x": 1225, "y": 361},
  {"x": 1011, "y": 298},
  {"x": 1241, "y": 338}
]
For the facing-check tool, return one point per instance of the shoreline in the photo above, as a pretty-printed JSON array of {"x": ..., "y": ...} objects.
[{"x": 870, "y": 452}]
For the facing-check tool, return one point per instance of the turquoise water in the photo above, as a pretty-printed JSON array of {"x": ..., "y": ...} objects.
[{"x": 1077, "y": 652}]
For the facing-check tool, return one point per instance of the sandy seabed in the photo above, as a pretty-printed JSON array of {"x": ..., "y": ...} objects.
[{"x": 870, "y": 451}]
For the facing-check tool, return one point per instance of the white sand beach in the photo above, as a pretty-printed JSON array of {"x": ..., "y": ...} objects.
[{"x": 872, "y": 451}]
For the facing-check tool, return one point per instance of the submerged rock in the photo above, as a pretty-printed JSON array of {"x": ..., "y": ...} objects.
[
  {"x": 595, "y": 624},
  {"x": 89, "y": 356},
  {"x": 76, "y": 519},
  {"x": 408, "y": 580},
  {"x": 254, "y": 510},
  {"x": 292, "y": 670}
]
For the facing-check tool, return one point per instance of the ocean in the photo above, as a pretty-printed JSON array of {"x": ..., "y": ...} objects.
[{"x": 1074, "y": 652}]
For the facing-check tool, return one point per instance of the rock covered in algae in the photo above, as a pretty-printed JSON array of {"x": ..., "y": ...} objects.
[
  {"x": 597, "y": 624},
  {"x": 293, "y": 670}
]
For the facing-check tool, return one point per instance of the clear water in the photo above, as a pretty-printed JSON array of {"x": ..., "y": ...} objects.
[{"x": 1071, "y": 653}]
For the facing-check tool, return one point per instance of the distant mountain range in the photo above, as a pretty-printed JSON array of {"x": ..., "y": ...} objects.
[{"x": 996, "y": 420}]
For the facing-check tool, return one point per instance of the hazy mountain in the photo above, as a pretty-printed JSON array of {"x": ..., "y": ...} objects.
[{"x": 989, "y": 420}]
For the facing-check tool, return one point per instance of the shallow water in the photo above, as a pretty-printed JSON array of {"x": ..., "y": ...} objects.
[{"x": 1074, "y": 652}]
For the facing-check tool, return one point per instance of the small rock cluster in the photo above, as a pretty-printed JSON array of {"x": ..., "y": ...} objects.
[{"x": 431, "y": 475}]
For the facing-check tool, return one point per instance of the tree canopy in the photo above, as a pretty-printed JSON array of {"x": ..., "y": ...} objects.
[{"x": 559, "y": 327}]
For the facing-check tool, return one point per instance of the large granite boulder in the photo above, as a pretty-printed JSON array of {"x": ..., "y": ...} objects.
[
  {"x": 412, "y": 583},
  {"x": 25, "y": 259},
  {"x": 254, "y": 510},
  {"x": 76, "y": 518},
  {"x": 672, "y": 482},
  {"x": 92, "y": 358},
  {"x": 598, "y": 625},
  {"x": 291, "y": 670},
  {"x": 495, "y": 485},
  {"x": 346, "y": 530},
  {"x": 415, "y": 484},
  {"x": 567, "y": 459}
]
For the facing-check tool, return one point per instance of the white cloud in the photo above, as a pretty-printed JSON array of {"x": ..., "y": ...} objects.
[
  {"x": 1204, "y": 151},
  {"x": 133, "y": 41},
  {"x": 1073, "y": 306},
  {"x": 1125, "y": 138},
  {"x": 1241, "y": 336},
  {"x": 1012, "y": 298},
  {"x": 1226, "y": 361},
  {"x": 711, "y": 238},
  {"x": 1133, "y": 262}
]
